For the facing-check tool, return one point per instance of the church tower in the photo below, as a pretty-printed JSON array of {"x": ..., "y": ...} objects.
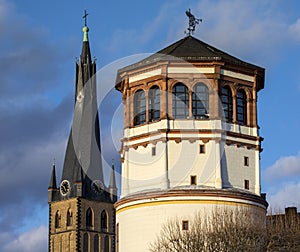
[
  {"x": 81, "y": 211},
  {"x": 191, "y": 139}
]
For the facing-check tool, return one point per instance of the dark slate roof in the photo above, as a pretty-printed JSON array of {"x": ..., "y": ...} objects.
[
  {"x": 83, "y": 162},
  {"x": 190, "y": 49},
  {"x": 52, "y": 184}
]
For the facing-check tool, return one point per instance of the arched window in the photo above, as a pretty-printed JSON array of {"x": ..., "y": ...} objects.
[
  {"x": 86, "y": 244},
  {"x": 69, "y": 218},
  {"x": 227, "y": 103},
  {"x": 180, "y": 101},
  {"x": 106, "y": 244},
  {"x": 200, "y": 102},
  {"x": 89, "y": 217},
  {"x": 154, "y": 104},
  {"x": 96, "y": 243},
  {"x": 139, "y": 107},
  {"x": 241, "y": 107},
  {"x": 57, "y": 220},
  {"x": 103, "y": 220}
]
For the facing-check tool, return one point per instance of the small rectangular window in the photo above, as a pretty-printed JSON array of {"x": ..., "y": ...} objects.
[
  {"x": 202, "y": 149},
  {"x": 193, "y": 180},
  {"x": 153, "y": 151},
  {"x": 246, "y": 161},
  {"x": 185, "y": 225},
  {"x": 246, "y": 184}
]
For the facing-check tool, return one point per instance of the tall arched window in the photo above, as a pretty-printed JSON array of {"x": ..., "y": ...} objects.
[
  {"x": 180, "y": 101},
  {"x": 227, "y": 103},
  {"x": 57, "y": 220},
  {"x": 200, "y": 102},
  {"x": 89, "y": 217},
  {"x": 86, "y": 244},
  {"x": 103, "y": 220},
  {"x": 96, "y": 243},
  {"x": 139, "y": 107},
  {"x": 241, "y": 107},
  {"x": 154, "y": 104},
  {"x": 69, "y": 218},
  {"x": 106, "y": 244}
]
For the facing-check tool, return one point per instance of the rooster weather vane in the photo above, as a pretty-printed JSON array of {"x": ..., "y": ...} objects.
[{"x": 192, "y": 22}]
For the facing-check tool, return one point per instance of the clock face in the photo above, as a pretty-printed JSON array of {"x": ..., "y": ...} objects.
[
  {"x": 65, "y": 187},
  {"x": 97, "y": 186}
]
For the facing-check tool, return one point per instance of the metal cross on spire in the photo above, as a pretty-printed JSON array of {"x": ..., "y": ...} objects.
[
  {"x": 85, "y": 17},
  {"x": 192, "y": 22}
]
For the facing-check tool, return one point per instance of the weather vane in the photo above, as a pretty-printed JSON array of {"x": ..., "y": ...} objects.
[
  {"x": 192, "y": 22},
  {"x": 85, "y": 17}
]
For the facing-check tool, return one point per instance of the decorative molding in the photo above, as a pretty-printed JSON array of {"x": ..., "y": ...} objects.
[
  {"x": 219, "y": 193},
  {"x": 144, "y": 75},
  {"x": 191, "y": 70},
  {"x": 237, "y": 75}
]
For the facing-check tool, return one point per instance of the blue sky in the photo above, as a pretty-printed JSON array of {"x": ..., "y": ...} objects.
[{"x": 39, "y": 43}]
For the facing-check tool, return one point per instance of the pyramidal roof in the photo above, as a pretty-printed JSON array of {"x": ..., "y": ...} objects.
[{"x": 190, "y": 49}]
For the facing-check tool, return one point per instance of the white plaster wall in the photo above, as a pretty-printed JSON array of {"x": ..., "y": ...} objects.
[
  {"x": 141, "y": 171},
  {"x": 146, "y": 172},
  {"x": 185, "y": 160},
  {"x": 140, "y": 224},
  {"x": 234, "y": 169}
]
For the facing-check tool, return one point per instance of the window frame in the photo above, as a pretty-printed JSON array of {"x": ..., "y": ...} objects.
[
  {"x": 246, "y": 184},
  {"x": 139, "y": 107},
  {"x": 154, "y": 104},
  {"x": 180, "y": 101},
  {"x": 89, "y": 218},
  {"x": 202, "y": 149},
  {"x": 193, "y": 180},
  {"x": 200, "y": 101},
  {"x": 227, "y": 103},
  {"x": 104, "y": 221},
  {"x": 241, "y": 107},
  {"x": 185, "y": 225},
  {"x": 69, "y": 218}
]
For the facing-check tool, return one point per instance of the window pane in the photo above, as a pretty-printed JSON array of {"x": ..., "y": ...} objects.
[
  {"x": 200, "y": 101},
  {"x": 227, "y": 103},
  {"x": 139, "y": 107},
  {"x": 180, "y": 101},
  {"x": 241, "y": 107}
]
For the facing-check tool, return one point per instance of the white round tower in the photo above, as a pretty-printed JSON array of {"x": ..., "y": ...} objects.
[{"x": 191, "y": 141}]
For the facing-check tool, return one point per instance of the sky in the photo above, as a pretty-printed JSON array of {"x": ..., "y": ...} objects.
[{"x": 39, "y": 43}]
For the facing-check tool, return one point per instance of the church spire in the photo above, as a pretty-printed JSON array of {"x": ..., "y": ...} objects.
[
  {"x": 112, "y": 185},
  {"x": 83, "y": 163},
  {"x": 52, "y": 184}
]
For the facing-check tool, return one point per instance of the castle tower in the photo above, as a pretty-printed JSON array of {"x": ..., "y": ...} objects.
[
  {"x": 191, "y": 139},
  {"x": 81, "y": 211}
]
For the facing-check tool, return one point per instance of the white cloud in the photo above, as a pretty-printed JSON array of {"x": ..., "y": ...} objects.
[
  {"x": 166, "y": 20},
  {"x": 35, "y": 240},
  {"x": 243, "y": 28},
  {"x": 287, "y": 195},
  {"x": 294, "y": 30},
  {"x": 283, "y": 183},
  {"x": 283, "y": 168}
]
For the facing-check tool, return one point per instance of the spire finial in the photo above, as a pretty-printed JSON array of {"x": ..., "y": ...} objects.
[
  {"x": 85, "y": 17},
  {"x": 192, "y": 22},
  {"x": 85, "y": 29}
]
